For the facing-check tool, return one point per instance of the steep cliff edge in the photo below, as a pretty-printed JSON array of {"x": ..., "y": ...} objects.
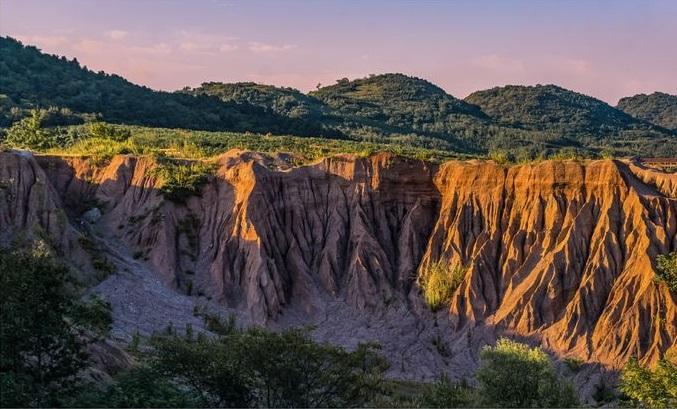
[{"x": 558, "y": 252}]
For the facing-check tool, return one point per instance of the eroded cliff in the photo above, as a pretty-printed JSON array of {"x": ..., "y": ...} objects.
[{"x": 556, "y": 252}]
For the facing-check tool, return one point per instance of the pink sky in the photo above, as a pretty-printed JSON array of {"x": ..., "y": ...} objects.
[{"x": 607, "y": 49}]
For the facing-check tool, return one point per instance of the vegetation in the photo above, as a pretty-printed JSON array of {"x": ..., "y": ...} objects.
[
  {"x": 666, "y": 270},
  {"x": 513, "y": 375},
  {"x": 658, "y": 108},
  {"x": 443, "y": 393},
  {"x": 555, "y": 116},
  {"x": 650, "y": 388},
  {"x": 245, "y": 368},
  {"x": 179, "y": 181},
  {"x": 389, "y": 109},
  {"x": 41, "y": 328},
  {"x": 439, "y": 281},
  {"x": 31, "y": 79}
]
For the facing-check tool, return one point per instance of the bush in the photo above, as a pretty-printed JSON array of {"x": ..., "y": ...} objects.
[
  {"x": 666, "y": 270},
  {"x": 440, "y": 280},
  {"x": 29, "y": 134},
  {"x": 654, "y": 389},
  {"x": 140, "y": 387},
  {"x": 512, "y": 374},
  {"x": 179, "y": 181},
  {"x": 445, "y": 394}
]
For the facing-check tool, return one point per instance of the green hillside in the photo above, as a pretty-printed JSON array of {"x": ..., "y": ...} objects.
[
  {"x": 402, "y": 107},
  {"x": 30, "y": 78},
  {"x": 658, "y": 108},
  {"x": 519, "y": 121},
  {"x": 571, "y": 117}
]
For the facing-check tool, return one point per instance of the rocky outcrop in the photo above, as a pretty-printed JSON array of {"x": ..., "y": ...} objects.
[{"x": 559, "y": 252}]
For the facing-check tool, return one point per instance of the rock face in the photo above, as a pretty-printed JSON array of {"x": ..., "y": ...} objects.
[{"x": 558, "y": 252}]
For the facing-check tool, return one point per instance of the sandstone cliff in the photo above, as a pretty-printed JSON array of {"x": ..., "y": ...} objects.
[{"x": 557, "y": 252}]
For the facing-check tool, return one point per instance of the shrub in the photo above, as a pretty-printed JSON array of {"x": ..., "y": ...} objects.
[
  {"x": 29, "y": 134},
  {"x": 103, "y": 130},
  {"x": 512, "y": 374},
  {"x": 179, "y": 181},
  {"x": 446, "y": 394},
  {"x": 654, "y": 389},
  {"x": 440, "y": 280},
  {"x": 666, "y": 270}
]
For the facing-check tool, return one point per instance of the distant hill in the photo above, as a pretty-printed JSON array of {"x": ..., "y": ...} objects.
[
  {"x": 286, "y": 102},
  {"x": 549, "y": 107},
  {"x": 400, "y": 106},
  {"x": 526, "y": 122},
  {"x": 30, "y": 78},
  {"x": 570, "y": 116},
  {"x": 658, "y": 108}
]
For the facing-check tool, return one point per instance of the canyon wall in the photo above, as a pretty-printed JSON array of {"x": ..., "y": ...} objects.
[{"x": 558, "y": 252}]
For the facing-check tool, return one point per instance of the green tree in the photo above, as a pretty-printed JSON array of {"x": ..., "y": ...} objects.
[
  {"x": 213, "y": 369},
  {"x": 40, "y": 353},
  {"x": 295, "y": 371},
  {"x": 512, "y": 374},
  {"x": 29, "y": 134},
  {"x": 653, "y": 389}
]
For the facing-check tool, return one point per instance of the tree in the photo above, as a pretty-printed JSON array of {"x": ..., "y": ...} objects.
[
  {"x": 40, "y": 352},
  {"x": 261, "y": 368},
  {"x": 512, "y": 374},
  {"x": 654, "y": 389},
  {"x": 295, "y": 371},
  {"x": 213, "y": 369},
  {"x": 28, "y": 133}
]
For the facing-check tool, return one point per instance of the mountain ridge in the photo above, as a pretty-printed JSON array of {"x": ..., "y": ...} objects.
[{"x": 528, "y": 121}]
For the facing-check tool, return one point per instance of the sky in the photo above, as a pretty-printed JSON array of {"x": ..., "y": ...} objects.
[{"x": 606, "y": 49}]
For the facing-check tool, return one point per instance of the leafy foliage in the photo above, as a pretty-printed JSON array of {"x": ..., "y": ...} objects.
[
  {"x": 658, "y": 108},
  {"x": 514, "y": 375},
  {"x": 439, "y": 281},
  {"x": 179, "y": 181},
  {"x": 40, "y": 320},
  {"x": 261, "y": 368},
  {"x": 443, "y": 393},
  {"x": 29, "y": 134},
  {"x": 651, "y": 388},
  {"x": 666, "y": 270}
]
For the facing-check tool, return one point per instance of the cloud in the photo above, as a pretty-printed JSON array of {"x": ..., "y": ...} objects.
[
  {"x": 226, "y": 48},
  {"x": 258, "y": 47},
  {"x": 116, "y": 34}
]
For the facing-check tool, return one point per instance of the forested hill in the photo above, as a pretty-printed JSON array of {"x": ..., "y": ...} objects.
[
  {"x": 571, "y": 117},
  {"x": 30, "y": 78},
  {"x": 658, "y": 108},
  {"x": 526, "y": 122}
]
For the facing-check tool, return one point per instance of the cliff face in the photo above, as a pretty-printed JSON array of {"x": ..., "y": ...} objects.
[{"x": 561, "y": 252}]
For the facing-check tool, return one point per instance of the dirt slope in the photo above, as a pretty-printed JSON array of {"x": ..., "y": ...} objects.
[{"x": 557, "y": 252}]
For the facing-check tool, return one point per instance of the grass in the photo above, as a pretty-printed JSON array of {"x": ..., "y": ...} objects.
[
  {"x": 439, "y": 281},
  {"x": 189, "y": 144}
]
